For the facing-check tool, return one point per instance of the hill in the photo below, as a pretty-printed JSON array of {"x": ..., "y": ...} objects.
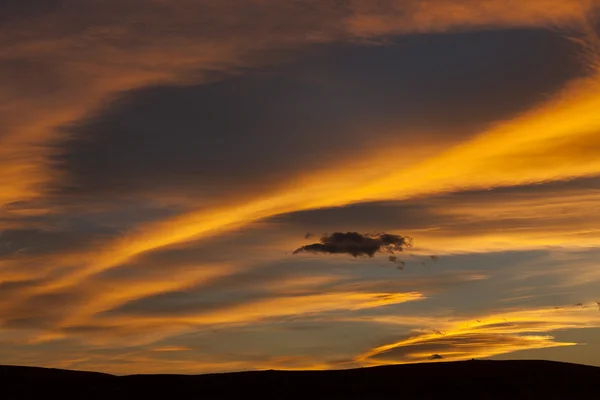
[{"x": 468, "y": 379}]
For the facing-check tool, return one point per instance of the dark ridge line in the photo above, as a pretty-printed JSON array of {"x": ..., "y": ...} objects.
[{"x": 425, "y": 365}]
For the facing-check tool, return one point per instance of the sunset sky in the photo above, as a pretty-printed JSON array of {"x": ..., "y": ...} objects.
[{"x": 161, "y": 160}]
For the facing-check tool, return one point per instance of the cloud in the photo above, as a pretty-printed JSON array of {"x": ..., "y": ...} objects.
[
  {"x": 134, "y": 302},
  {"x": 67, "y": 63},
  {"x": 461, "y": 347},
  {"x": 524, "y": 217},
  {"x": 357, "y": 244},
  {"x": 61, "y": 61},
  {"x": 462, "y": 216},
  {"x": 490, "y": 335},
  {"x": 280, "y": 312},
  {"x": 172, "y": 348},
  {"x": 222, "y": 134},
  {"x": 35, "y": 242},
  {"x": 479, "y": 163},
  {"x": 131, "y": 328},
  {"x": 149, "y": 360},
  {"x": 332, "y": 187}
]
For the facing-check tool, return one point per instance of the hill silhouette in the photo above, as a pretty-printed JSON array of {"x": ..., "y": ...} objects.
[{"x": 529, "y": 379}]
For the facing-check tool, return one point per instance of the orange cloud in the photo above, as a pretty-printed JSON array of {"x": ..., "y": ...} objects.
[
  {"x": 535, "y": 219},
  {"x": 443, "y": 15},
  {"x": 504, "y": 155},
  {"x": 484, "y": 336},
  {"x": 113, "y": 52},
  {"x": 539, "y": 145},
  {"x": 171, "y": 348},
  {"x": 149, "y": 363},
  {"x": 261, "y": 310},
  {"x": 123, "y": 45}
]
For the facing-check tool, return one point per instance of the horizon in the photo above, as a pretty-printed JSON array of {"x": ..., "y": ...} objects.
[
  {"x": 495, "y": 361},
  {"x": 202, "y": 187}
]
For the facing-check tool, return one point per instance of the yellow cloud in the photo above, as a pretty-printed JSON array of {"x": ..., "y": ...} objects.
[
  {"x": 171, "y": 348},
  {"x": 277, "y": 307},
  {"x": 484, "y": 162},
  {"x": 510, "y": 153},
  {"x": 526, "y": 220},
  {"x": 95, "y": 64},
  {"x": 82, "y": 65},
  {"x": 484, "y": 336}
]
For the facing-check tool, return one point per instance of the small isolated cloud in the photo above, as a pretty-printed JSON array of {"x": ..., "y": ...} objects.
[
  {"x": 357, "y": 244},
  {"x": 397, "y": 261},
  {"x": 436, "y": 357}
]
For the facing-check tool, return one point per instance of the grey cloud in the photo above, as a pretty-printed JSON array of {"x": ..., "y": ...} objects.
[
  {"x": 10, "y": 288},
  {"x": 54, "y": 225},
  {"x": 187, "y": 302},
  {"x": 403, "y": 215},
  {"x": 223, "y": 292},
  {"x": 14, "y": 10},
  {"x": 36, "y": 242},
  {"x": 252, "y": 283},
  {"x": 42, "y": 311},
  {"x": 357, "y": 244},
  {"x": 396, "y": 261},
  {"x": 246, "y": 133}
]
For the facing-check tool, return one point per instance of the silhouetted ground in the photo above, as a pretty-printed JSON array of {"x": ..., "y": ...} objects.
[{"x": 466, "y": 379}]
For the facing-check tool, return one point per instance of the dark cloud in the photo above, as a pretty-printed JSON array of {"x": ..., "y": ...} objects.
[
  {"x": 37, "y": 242},
  {"x": 357, "y": 244},
  {"x": 31, "y": 232},
  {"x": 218, "y": 294},
  {"x": 14, "y": 287},
  {"x": 397, "y": 261},
  {"x": 248, "y": 132},
  {"x": 10, "y": 9},
  {"x": 42, "y": 311},
  {"x": 403, "y": 215},
  {"x": 190, "y": 302},
  {"x": 436, "y": 357}
]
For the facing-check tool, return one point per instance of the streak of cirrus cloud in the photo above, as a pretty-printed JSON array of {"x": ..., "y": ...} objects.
[
  {"x": 61, "y": 60},
  {"x": 279, "y": 307},
  {"x": 557, "y": 140},
  {"x": 91, "y": 63},
  {"x": 483, "y": 336}
]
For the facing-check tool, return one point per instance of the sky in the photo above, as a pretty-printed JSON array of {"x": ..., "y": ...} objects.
[{"x": 162, "y": 161}]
